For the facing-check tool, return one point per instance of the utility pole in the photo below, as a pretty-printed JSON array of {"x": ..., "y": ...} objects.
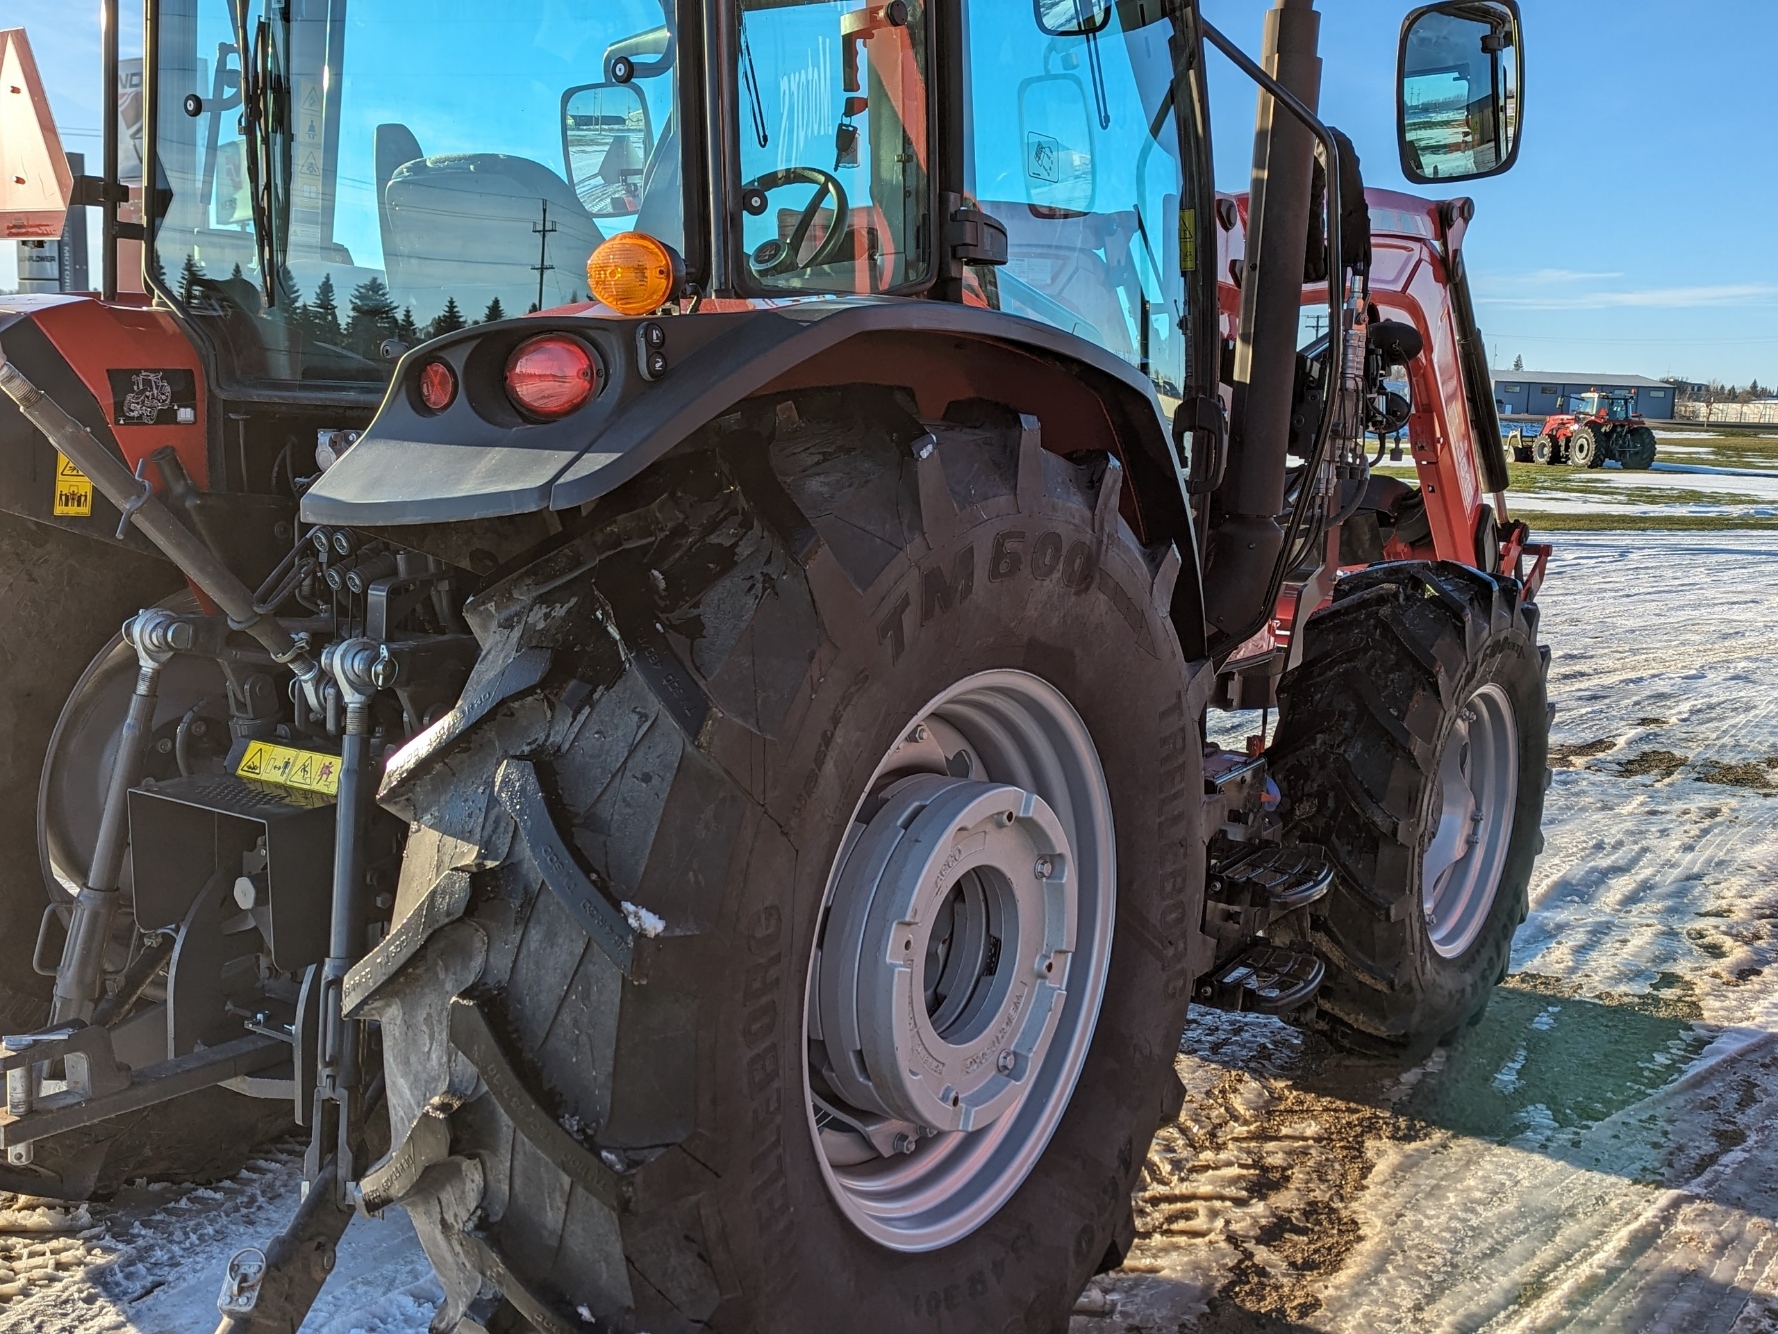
[{"x": 542, "y": 231}]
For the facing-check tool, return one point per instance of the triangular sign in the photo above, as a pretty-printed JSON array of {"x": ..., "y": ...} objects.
[{"x": 35, "y": 183}]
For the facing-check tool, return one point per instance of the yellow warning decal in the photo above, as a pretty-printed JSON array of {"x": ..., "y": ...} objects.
[
  {"x": 74, "y": 491},
  {"x": 1188, "y": 240},
  {"x": 304, "y": 770}
]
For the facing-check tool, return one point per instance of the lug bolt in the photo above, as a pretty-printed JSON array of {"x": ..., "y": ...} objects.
[
  {"x": 905, "y": 1143},
  {"x": 1044, "y": 868},
  {"x": 1006, "y": 1061},
  {"x": 918, "y": 734}
]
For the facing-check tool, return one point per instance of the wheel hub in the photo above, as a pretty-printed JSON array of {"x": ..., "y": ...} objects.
[
  {"x": 960, "y": 960},
  {"x": 949, "y": 952},
  {"x": 1478, "y": 791}
]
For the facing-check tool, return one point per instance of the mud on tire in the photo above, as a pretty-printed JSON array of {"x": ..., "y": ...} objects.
[
  {"x": 1363, "y": 725},
  {"x": 676, "y": 712}
]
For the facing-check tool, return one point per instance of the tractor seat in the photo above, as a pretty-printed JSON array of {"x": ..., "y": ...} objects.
[{"x": 462, "y": 225}]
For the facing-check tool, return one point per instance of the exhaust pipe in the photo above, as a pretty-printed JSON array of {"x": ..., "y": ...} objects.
[{"x": 1245, "y": 544}]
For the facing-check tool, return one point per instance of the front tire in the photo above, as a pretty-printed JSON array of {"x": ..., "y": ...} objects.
[
  {"x": 1417, "y": 720},
  {"x": 1543, "y": 450},
  {"x": 742, "y": 644},
  {"x": 1585, "y": 450}
]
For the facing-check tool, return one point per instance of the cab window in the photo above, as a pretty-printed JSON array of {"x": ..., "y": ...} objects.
[
  {"x": 1072, "y": 143},
  {"x": 833, "y": 144}
]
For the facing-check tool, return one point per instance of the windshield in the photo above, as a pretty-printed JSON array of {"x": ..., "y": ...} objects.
[
  {"x": 428, "y": 164},
  {"x": 833, "y": 144}
]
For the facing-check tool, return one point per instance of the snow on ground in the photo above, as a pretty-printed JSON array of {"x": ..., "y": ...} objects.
[
  {"x": 1596, "y": 1154},
  {"x": 156, "y": 1259}
]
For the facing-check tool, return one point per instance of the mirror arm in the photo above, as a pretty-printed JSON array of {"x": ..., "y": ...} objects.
[
  {"x": 1336, "y": 294},
  {"x": 1336, "y": 302}
]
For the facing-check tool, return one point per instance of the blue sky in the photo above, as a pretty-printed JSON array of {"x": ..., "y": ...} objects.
[{"x": 1635, "y": 234}]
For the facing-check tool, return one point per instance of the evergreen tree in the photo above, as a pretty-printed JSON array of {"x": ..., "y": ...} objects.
[
  {"x": 290, "y": 297},
  {"x": 373, "y": 316},
  {"x": 407, "y": 331},
  {"x": 237, "y": 273},
  {"x": 448, "y": 320},
  {"x": 190, "y": 274},
  {"x": 1518, "y": 363},
  {"x": 324, "y": 311},
  {"x": 495, "y": 311}
]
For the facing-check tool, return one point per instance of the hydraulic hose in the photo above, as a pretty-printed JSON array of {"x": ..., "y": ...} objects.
[{"x": 135, "y": 499}]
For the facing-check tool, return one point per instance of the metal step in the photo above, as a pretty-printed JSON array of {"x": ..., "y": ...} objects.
[
  {"x": 1274, "y": 875},
  {"x": 1264, "y": 979}
]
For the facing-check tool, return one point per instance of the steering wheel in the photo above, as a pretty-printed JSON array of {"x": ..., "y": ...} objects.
[{"x": 774, "y": 257}]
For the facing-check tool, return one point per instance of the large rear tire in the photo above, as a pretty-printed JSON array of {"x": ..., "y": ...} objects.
[
  {"x": 61, "y": 598},
  {"x": 1413, "y": 743},
  {"x": 68, "y": 683},
  {"x": 753, "y": 653},
  {"x": 1640, "y": 453}
]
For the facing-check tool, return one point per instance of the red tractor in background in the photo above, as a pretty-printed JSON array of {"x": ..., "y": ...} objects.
[{"x": 1599, "y": 425}]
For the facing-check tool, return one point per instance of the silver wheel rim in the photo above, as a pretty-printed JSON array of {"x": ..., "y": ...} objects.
[
  {"x": 1478, "y": 776},
  {"x": 957, "y": 973}
]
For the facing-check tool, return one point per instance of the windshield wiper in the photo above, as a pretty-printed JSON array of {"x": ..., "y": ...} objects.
[
  {"x": 256, "y": 142},
  {"x": 750, "y": 78}
]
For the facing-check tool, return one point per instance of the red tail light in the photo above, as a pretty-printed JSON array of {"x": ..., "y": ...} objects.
[
  {"x": 438, "y": 385},
  {"x": 551, "y": 375}
]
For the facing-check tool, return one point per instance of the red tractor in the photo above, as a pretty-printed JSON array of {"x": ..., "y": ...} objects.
[
  {"x": 1599, "y": 425},
  {"x": 701, "y": 793}
]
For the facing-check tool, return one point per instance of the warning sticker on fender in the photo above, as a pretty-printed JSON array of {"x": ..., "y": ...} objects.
[
  {"x": 286, "y": 766},
  {"x": 74, "y": 491}
]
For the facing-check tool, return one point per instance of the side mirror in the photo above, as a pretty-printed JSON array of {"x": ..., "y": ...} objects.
[
  {"x": 1460, "y": 78},
  {"x": 1071, "y": 18},
  {"x": 606, "y": 139},
  {"x": 1056, "y": 128}
]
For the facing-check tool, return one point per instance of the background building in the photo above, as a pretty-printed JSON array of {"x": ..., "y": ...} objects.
[{"x": 1539, "y": 393}]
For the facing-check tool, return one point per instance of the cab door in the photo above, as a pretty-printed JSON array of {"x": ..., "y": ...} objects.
[{"x": 1085, "y": 136}]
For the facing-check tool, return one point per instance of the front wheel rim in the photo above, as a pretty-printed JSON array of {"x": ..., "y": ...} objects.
[
  {"x": 1477, "y": 796},
  {"x": 960, "y": 961}
]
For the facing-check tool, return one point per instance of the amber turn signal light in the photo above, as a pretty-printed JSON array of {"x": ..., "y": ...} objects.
[
  {"x": 551, "y": 375},
  {"x": 633, "y": 273}
]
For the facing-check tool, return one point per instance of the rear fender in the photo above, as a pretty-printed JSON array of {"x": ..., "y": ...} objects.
[{"x": 479, "y": 460}]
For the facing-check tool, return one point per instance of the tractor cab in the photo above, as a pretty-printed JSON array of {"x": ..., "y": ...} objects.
[
  {"x": 1605, "y": 407},
  {"x": 340, "y": 180}
]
